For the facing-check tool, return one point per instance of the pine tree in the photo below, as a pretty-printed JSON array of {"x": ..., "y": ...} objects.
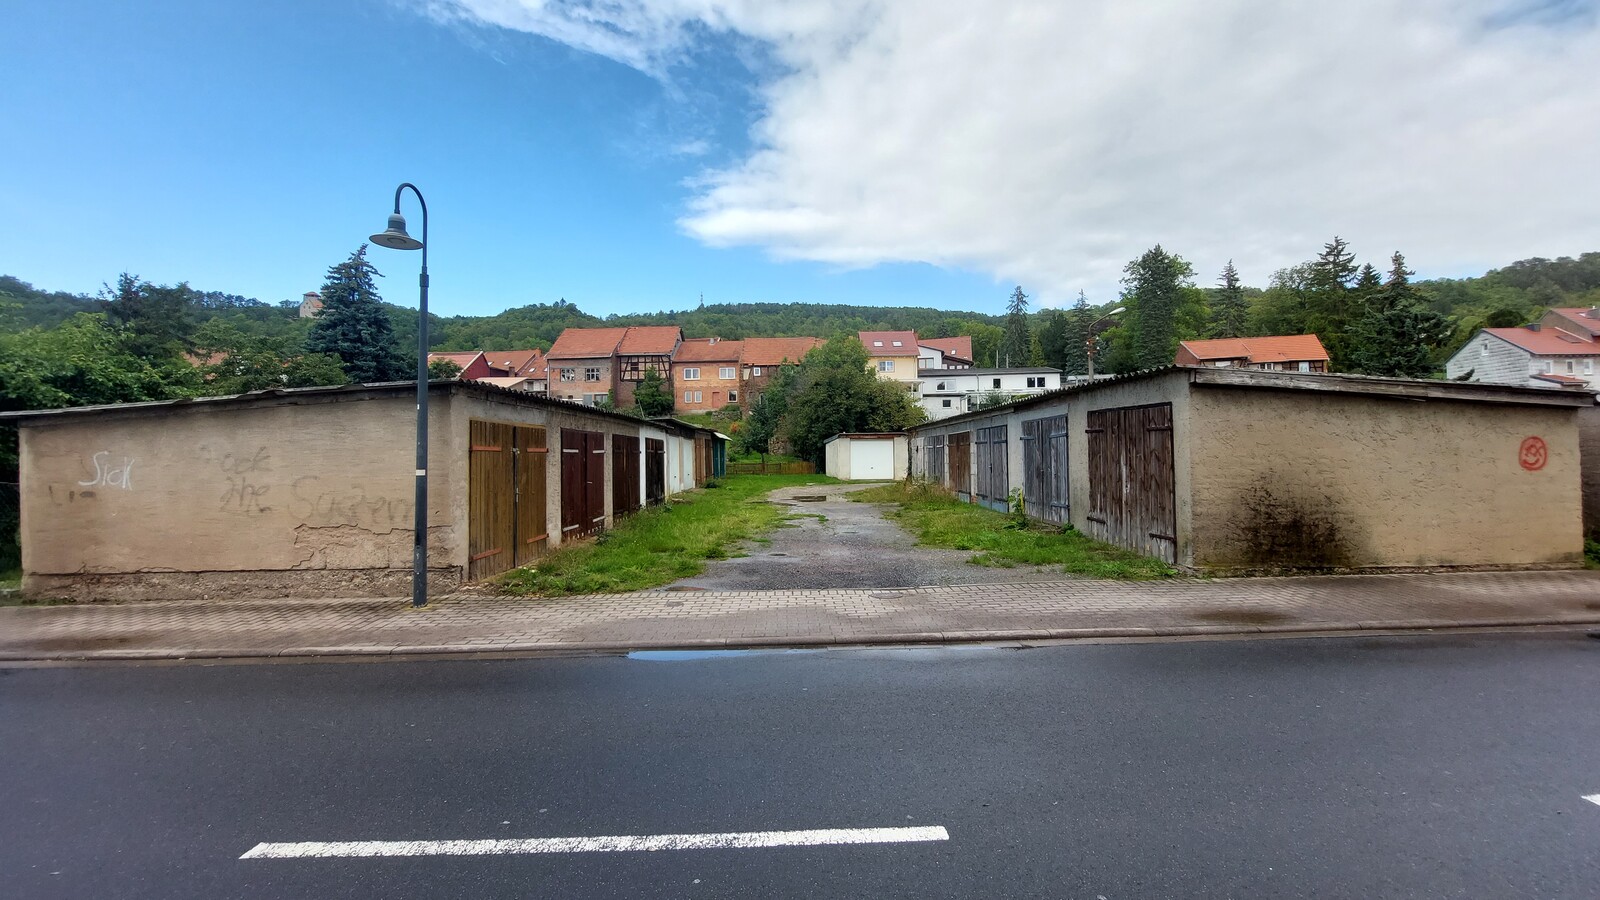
[
  {"x": 154, "y": 319},
  {"x": 1075, "y": 337},
  {"x": 1228, "y": 310},
  {"x": 353, "y": 325},
  {"x": 1330, "y": 310},
  {"x": 1016, "y": 348},
  {"x": 1397, "y": 334},
  {"x": 1153, "y": 291}
]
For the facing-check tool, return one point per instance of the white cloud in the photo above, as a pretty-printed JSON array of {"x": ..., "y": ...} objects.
[{"x": 1048, "y": 142}]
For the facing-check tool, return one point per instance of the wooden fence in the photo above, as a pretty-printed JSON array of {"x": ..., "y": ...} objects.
[{"x": 783, "y": 468}]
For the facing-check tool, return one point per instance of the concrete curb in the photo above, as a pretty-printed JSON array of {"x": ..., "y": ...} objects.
[{"x": 760, "y": 642}]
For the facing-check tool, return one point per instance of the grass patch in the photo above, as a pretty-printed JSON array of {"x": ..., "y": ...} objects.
[
  {"x": 939, "y": 520},
  {"x": 662, "y": 544},
  {"x": 11, "y": 580},
  {"x": 1591, "y": 554}
]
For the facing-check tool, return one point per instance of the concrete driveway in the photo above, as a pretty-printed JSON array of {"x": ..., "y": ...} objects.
[{"x": 835, "y": 542}]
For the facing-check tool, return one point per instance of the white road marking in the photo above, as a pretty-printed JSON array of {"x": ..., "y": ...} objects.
[
  {"x": 1593, "y": 798},
  {"x": 611, "y": 843}
]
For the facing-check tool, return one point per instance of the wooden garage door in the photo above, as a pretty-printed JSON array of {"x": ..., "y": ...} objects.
[
  {"x": 993, "y": 483},
  {"x": 624, "y": 474},
  {"x": 959, "y": 451},
  {"x": 655, "y": 471},
  {"x": 1131, "y": 490},
  {"x": 583, "y": 482},
  {"x": 505, "y": 497},
  {"x": 1044, "y": 463},
  {"x": 933, "y": 467}
]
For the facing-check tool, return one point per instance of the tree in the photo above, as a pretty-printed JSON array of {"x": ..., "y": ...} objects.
[
  {"x": 1228, "y": 309},
  {"x": 1330, "y": 306},
  {"x": 1017, "y": 345},
  {"x": 653, "y": 395},
  {"x": 1153, "y": 291},
  {"x": 833, "y": 393},
  {"x": 234, "y": 362},
  {"x": 443, "y": 370},
  {"x": 1075, "y": 327},
  {"x": 1397, "y": 335},
  {"x": 155, "y": 319},
  {"x": 354, "y": 326}
]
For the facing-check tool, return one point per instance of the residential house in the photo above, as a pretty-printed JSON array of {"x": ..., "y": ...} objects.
[
  {"x": 705, "y": 374},
  {"x": 1560, "y": 350},
  {"x": 951, "y": 392},
  {"x": 529, "y": 365},
  {"x": 472, "y": 364},
  {"x": 893, "y": 355},
  {"x": 310, "y": 305},
  {"x": 644, "y": 349},
  {"x": 761, "y": 358},
  {"x": 583, "y": 364},
  {"x": 945, "y": 353},
  {"x": 1282, "y": 353}
]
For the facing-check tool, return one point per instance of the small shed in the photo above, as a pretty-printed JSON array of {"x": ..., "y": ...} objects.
[
  {"x": 1231, "y": 470},
  {"x": 309, "y": 492},
  {"x": 867, "y": 457}
]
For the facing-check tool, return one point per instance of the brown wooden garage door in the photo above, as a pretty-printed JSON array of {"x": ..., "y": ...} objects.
[
  {"x": 624, "y": 474},
  {"x": 655, "y": 471},
  {"x": 1044, "y": 463},
  {"x": 505, "y": 497},
  {"x": 933, "y": 467},
  {"x": 583, "y": 482},
  {"x": 1131, "y": 491},
  {"x": 958, "y": 449}
]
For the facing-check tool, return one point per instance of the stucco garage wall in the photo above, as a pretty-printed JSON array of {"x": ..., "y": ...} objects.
[
  {"x": 1589, "y": 450},
  {"x": 1284, "y": 478},
  {"x": 299, "y": 499}
]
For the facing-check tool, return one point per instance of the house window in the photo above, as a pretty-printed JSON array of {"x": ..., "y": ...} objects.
[
  {"x": 1305, "y": 366},
  {"x": 733, "y": 396},
  {"x": 1036, "y": 381},
  {"x": 939, "y": 386},
  {"x": 691, "y": 374},
  {"x": 997, "y": 384},
  {"x": 595, "y": 399},
  {"x": 755, "y": 370},
  {"x": 688, "y": 396},
  {"x": 1549, "y": 367},
  {"x": 591, "y": 374},
  {"x": 697, "y": 396},
  {"x": 727, "y": 372},
  {"x": 897, "y": 343},
  {"x": 885, "y": 365},
  {"x": 877, "y": 343},
  {"x": 1571, "y": 367},
  {"x": 569, "y": 374},
  {"x": 1588, "y": 367},
  {"x": 947, "y": 404}
]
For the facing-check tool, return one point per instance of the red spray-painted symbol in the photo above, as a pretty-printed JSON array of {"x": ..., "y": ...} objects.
[{"x": 1533, "y": 454}]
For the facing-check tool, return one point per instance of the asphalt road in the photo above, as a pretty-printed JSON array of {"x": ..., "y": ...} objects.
[{"x": 1378, "y": 767}]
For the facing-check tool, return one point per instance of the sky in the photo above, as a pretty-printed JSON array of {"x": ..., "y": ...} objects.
[{"x": 634, "y": 156}]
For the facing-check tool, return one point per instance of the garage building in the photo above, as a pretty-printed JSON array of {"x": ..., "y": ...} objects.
[
  {"x": 309, "y": 492},
  {"x": 1234, "y": 470},
  {"x": 867, "y": 457}
]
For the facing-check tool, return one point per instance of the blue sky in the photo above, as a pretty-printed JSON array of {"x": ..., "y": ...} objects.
[
  {"x": 246, "y": 147},
  {"x": 630, "y": 155}
]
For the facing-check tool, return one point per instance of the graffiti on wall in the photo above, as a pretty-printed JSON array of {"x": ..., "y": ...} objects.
[
  {"x": 243, "y": 474},
  {"x": 105, "y": 470},
  {"x": 316, "y": 504}
]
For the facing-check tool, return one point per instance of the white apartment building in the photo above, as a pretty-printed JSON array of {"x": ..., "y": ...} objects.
[{"x": 950, "y": 392}]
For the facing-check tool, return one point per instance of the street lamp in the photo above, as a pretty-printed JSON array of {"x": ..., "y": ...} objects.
[
  {"x": 395, "y": 238},
  {"x": 1090, "y": 339}
]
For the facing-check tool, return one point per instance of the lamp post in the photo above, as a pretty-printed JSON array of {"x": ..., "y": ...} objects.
[
  {"x": 395, "y": 238},
  {"x": 1089, "y": 340}
]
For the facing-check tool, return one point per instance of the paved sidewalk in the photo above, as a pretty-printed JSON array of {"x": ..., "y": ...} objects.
[{"x": 666, "y": 619}]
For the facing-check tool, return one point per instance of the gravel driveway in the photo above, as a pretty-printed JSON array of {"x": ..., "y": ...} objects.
[{"x": 856, "y": 547}]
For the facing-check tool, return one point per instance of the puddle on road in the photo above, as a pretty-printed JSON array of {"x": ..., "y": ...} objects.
[{"x": 810, "y": 498}]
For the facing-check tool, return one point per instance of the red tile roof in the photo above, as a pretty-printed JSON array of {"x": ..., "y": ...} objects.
[
  {"x": 1548, "y": 341},
  {"x": 586, "y": 343},
  {"x": 462, "y": 358},
  {"x": 951, "y": 346},
  {"x": 1568, "y": 380},
  {"x": 525, "y": 363},
  {"x": 647, "y": 339},
  {"x": 708, "y": 350},
  {"x": 1584, "y": 317},
  {"x": 1281, "y": 348},
  {"x": 881, "y": 343},
  {"x": 777, "y": 351}
]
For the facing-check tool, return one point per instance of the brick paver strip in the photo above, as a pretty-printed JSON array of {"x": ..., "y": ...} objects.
[{"x": 665, "y": 619}]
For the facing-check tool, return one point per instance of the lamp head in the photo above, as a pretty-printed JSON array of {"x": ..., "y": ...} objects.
[
  {"x": 1120, "y": 309},
  {"x": 395, "y": 237}
]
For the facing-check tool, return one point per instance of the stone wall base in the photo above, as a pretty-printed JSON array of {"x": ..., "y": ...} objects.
[{"x": 246, "y": 585}]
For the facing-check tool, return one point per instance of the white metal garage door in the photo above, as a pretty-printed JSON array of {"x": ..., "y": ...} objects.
[{"x": 872, "y": 459}]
